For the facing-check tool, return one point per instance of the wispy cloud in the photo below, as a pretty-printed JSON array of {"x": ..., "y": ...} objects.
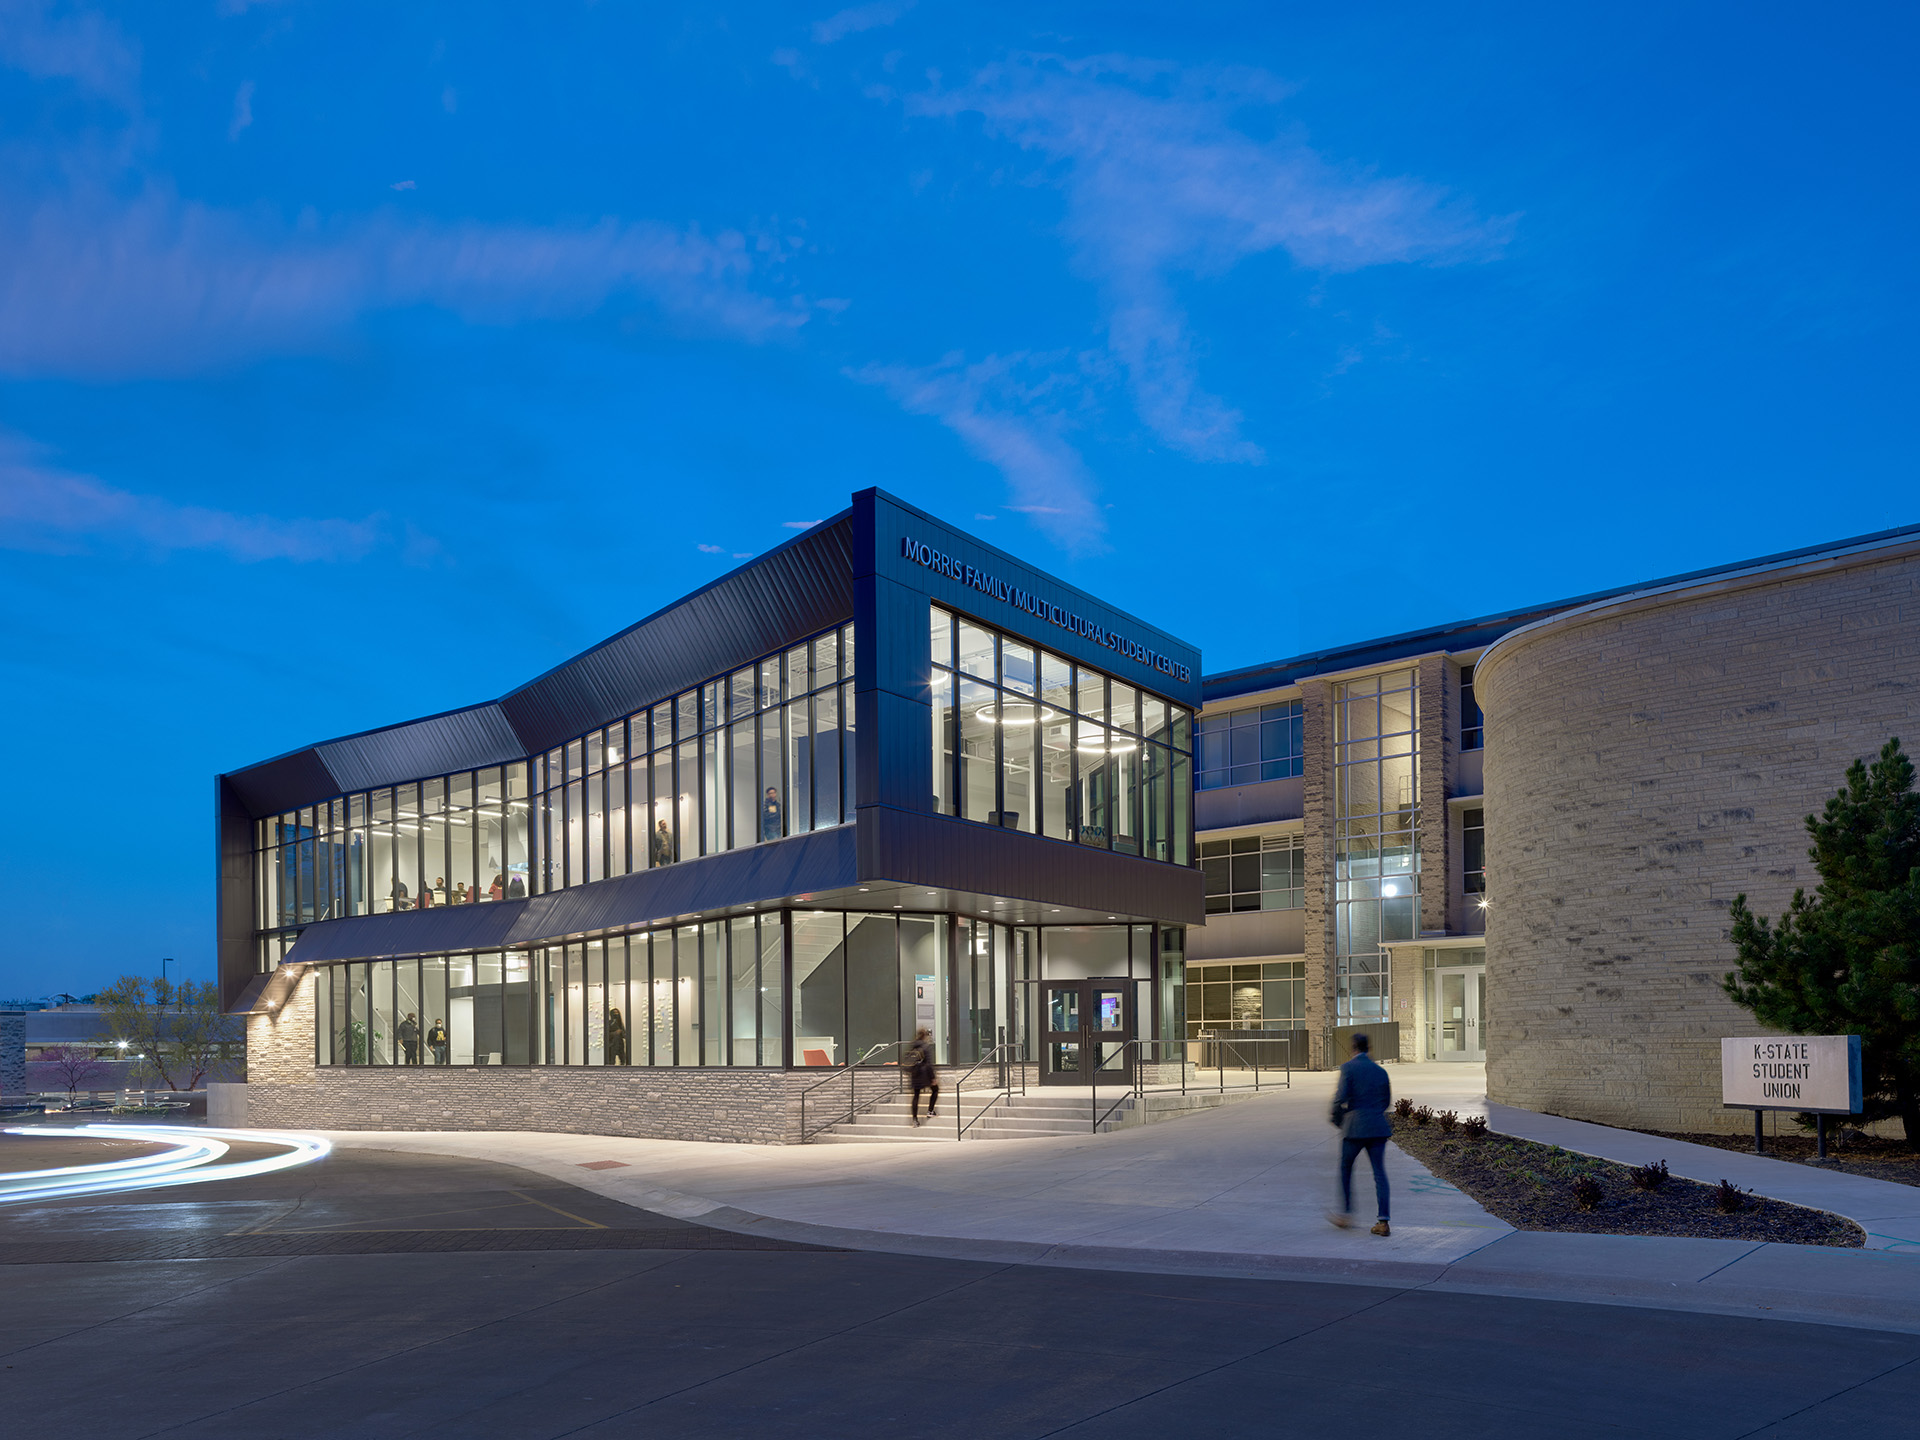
[
  {"x": 82, "y": 47},
  {"x": 46, "y": 508},
  {"x": 711, "y": 549},
  {"x": 242, "y": 110},
  {"x": 857, "y": 18},
  {"x": 798, "y": 524},
  {"x": 93, "y": 285},
  {"x": 1013, "y": 427},
  {"x": 1161, "y": 183}
]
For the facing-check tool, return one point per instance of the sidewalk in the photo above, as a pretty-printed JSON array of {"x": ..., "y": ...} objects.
[
  {"x": 1240, "y": 1191},
  {"x": 1887, "y": 1211}
]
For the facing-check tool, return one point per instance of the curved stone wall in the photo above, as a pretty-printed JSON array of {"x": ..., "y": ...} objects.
[{"x": 1647, "y": 760}]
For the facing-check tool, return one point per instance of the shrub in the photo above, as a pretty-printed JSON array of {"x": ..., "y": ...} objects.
[
  {"x": 1648, "y": 1177},
  {"x": 1423, "y": 1115},
  {"x": 1448, "y": 1119},
  {"x": 1403, "y": 1107},
  {"x": 1587, "y": 1192},
  {"x": 1474, "y": 1127},
  {"x": 1729, "y": 1198}
]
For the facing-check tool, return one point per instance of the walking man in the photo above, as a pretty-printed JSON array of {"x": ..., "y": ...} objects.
[{"x": 1360, "y": 1110}]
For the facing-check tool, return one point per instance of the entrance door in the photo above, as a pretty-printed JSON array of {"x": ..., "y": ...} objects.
[
  {"x": 1088, "y": 1023},
  {"x": 1460, "y": 1000}
]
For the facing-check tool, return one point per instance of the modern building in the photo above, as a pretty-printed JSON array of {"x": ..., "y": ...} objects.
[
  {"x": 880, "y": 778},
  {"x": 887, "y": 776},
  {"x": 1515, "y": 838}
]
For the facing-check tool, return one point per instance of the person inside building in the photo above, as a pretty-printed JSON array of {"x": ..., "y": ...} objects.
[
  {"x": 498, "y": 889},
  {"x": 662, "y": 844},
  {"x": 770, "y": 815},
  {"x": 409, "y": 1032},
  {"x": 437, "y": 1042},
  {"x": 517, "y": 888},
  {"x": 616, "y": 1038}
]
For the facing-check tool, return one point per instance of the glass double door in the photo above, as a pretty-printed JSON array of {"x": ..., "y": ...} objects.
[
  {"x": 1460, "y": 1005},
  {"x": 1088, "y": 1023}
]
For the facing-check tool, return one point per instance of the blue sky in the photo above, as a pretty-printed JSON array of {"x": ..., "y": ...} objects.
[{"x": 358, "y": 362}]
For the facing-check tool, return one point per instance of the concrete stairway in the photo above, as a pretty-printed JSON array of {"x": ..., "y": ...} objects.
[{"x": 1037, "y": 1114}]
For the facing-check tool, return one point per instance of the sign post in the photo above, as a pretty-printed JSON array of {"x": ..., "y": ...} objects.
[{"x": 1819, "y": 1074}]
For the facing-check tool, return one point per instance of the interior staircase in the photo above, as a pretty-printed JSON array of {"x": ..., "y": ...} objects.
[{"x": 1037, "y": 1114}]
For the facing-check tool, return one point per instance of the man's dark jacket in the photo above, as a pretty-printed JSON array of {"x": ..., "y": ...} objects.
[{"x": 1365, "y": 1092}]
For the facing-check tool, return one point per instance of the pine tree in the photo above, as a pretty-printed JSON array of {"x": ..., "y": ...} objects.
[{"x": 1847, "y": 960}]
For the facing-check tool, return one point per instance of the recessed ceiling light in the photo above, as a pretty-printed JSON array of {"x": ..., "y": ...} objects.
[{"x": 863, "y": 889}]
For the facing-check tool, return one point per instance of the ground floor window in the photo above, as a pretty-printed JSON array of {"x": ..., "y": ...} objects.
[
  {"x": 1264, "y": 995},
  {"x": 815, "y": 988}
]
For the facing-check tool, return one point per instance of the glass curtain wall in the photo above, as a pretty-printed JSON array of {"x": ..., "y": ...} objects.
[
  {"x": 699, "y": 995},
  {"x": 862, "y": 984},
  {"x": 756, "y": 755},
  {"x": 456, "y": 839},
  {"x": 716, "y": 994},
  {"x": 1026, "y": 740},
  {"x": 1376, "y": 880},
  {"x": 749, "y": 757},
  {"x": 436, "y": 1010}
]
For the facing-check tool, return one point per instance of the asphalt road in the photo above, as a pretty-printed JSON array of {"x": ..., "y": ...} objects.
[{"x": 427, "y": 1296}]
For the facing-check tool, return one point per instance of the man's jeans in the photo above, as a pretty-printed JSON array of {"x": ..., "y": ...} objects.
[{"x": 1376, "y": 1148}]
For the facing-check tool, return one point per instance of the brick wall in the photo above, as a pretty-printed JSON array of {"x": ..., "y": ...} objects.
[
  {"x": 286, "y": 1090},
  {"x": 1644, "y": 765}
]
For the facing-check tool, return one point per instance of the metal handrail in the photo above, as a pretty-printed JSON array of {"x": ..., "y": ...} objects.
[
  {"x": 993, "y": 1055},
  {"x": 854, "y": 1107},
  {"x": 1136, "y": 1087}
]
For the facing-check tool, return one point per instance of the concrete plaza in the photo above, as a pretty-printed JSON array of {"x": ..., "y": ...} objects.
[{"x": 1244, "y": 1191}]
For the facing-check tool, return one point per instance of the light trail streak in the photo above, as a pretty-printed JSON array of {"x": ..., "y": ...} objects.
[{"x": 186, "y": 1163}]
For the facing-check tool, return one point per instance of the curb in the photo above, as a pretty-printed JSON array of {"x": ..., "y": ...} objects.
[{"x": 1472, "y": 1274}]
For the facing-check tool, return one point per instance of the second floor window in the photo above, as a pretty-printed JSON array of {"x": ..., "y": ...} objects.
[
  {"x": 1244, "y": 747},
  {"x": 1473, "y": 725},
  {"x": 1473, "y": 850},
  {"x": 1254, "y": 872}
]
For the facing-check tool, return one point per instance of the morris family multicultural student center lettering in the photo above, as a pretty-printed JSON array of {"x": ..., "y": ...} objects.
[{"x": 1010, "y": 594}]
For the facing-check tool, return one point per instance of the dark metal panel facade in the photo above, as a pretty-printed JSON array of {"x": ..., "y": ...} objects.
[
  {"x": 458, "y": 740},
  {"x": 758, "y": 874},
  {"x": 416, "y": 932},
  {"x": 284, "y": 783},
  {"x": 941, "y": 852},
  {"x": 803, "y": 587},
  {"x": 234, "y": 961}
]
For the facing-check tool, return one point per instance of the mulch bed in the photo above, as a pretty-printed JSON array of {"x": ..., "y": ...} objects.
[
  {"x": 1855, "y": 1154},
  {"x": 1531, "y": 1187}
]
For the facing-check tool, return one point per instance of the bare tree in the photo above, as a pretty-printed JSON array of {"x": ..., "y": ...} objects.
[{"x": 74, "y": 1064}]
